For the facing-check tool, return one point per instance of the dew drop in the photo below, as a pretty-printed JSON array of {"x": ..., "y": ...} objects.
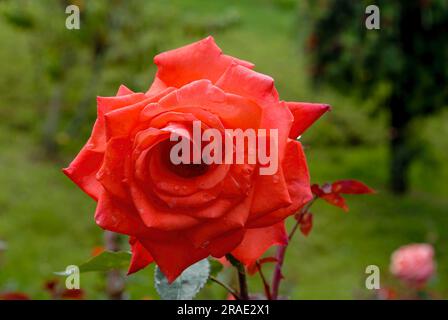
[
  {"x": 247, "y": 171},
  {"x": 205, "y": 244},
  {"x": 172, "y": 204}
]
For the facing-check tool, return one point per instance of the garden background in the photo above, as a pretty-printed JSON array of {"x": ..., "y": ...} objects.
[{"x": 49, "y": 77}]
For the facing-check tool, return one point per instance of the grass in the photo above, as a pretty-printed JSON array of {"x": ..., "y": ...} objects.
[{"x": 48, "y": 224}]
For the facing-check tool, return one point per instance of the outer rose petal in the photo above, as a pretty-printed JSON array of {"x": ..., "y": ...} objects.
[
  {"x": 199, "y": 60},
  {"x": 298, "y": 181},
  {"x": 156, "y": 87},
  {"x": 121, "y": 122},
  {"x": 226, "y": 243},
  {"x": 123, "y": 90},
  {"x": 82, "y": 171},
  {"x": 257, "y": 241},
  {"x": 247, "y": 83},
  {"x": 140, "y": 256},
  {"x": 305, "y": 114},
  {"x": 271, "y": 193},
  {"x": 173, "y": 253},
  {"x": 111, "y": 174},
  {"x": 117, "y": 216}
]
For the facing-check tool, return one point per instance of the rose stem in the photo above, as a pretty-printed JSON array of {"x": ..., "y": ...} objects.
[
  {"x": 243, "y": 284},
  {"x": 115, "y": 281},
  {"x": 244, "y": 293},
  {"x": 225, "y": 286},
  {"x": 280, "y": 255},
  {"x": 267, "y": 289},
  {"x": 277, "y": 277}
]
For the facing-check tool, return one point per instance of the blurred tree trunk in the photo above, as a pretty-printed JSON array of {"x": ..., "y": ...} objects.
[
  {"x": 401, "y": 114},
  {"x": 400, "y": 151}
]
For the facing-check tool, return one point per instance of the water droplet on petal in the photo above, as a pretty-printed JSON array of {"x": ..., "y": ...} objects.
[
  {"x": 205, "y": 244},
  {"x": 172, "y": 204}
]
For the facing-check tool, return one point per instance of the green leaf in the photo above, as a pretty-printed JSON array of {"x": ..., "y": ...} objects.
[
  {"x": 105, "y": 261},
  {"x": 187, "y": 285},
  {"x": 215, "y": 267}
]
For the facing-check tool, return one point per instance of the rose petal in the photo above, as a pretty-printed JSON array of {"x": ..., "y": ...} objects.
[
  {"x": 248, "y": 83},
  {"x": 234, "y": 111},
  {"x": 173, "y": 184},
  {"x": 122, "y": 121},
  {"x": 123, "y": 90},
  {"x": 305, "y": 114},
  {"x": 106, "y": 105},
  {"x": 271, "y": 193},
  {"x": 156, "y": 87},
  {"x": 157, "y": 217},
  {"x": 298, "y": 181},
  {"x": 82, "y": 171},
  {"x": 118, "y": 216},
  {"x": 257, "y": 241},
  {"x": 226, "y": 243},
  {"x": 140, "y": 256},
  {"x": 173, "y": 253},
  {"x": 207, "y": 231},
  {"x": 112, "y": 172},
  {"x": 199, "y": 60}
]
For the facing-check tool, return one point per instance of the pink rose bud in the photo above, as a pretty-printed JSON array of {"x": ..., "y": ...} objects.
[{"x": 413, "y": 264}]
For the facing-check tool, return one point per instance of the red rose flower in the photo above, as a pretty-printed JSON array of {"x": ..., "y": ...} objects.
[{"x": 179, "y": 214}]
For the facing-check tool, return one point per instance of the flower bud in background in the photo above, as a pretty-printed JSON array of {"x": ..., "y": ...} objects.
[{"x": 413, "y": 264}]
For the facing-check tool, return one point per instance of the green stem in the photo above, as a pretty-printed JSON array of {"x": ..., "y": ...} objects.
[
  {"x": 225, "y": 286},
  {"x": 244, "y": 292}
]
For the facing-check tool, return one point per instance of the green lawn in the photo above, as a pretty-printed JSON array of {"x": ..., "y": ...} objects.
[{"x": 48, "y": 224}]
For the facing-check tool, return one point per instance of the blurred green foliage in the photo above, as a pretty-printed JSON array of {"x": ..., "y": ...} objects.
[
  {"x": 406, "y": 56},
  {"x": 47, "y": 223},
  {"x": 402, "y": 67}
]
